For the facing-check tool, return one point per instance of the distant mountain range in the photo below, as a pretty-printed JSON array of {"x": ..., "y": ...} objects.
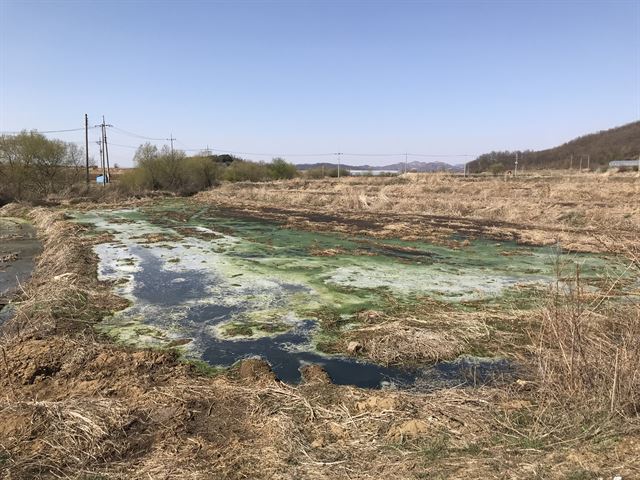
[{"x": 395, "y": 167}]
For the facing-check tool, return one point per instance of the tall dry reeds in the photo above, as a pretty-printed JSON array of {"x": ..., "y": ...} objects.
[{"x": 588, "y": 347}]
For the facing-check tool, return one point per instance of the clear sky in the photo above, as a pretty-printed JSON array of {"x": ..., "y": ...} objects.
[{"x": 440, "y": 78}]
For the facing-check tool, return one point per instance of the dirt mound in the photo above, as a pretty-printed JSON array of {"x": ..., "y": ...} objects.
[
  {"x": 52, "y": 368},
  {"x": 254, "y": 370},
  {"x": 314, "y": 374}
]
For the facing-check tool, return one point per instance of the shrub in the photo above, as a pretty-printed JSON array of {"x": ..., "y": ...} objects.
[
  {"x": 318, "y": 172},
  {"x": 333, "y": 172},
  {"x": 280, "y": 169},
  {"x": 241, "y": 170},
  {"x": 496, "y": 168}
]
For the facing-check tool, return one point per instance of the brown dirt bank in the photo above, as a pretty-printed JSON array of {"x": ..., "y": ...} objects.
[
  {"x": 575, "y": 211},
  {"x": 73, "y": 405}
]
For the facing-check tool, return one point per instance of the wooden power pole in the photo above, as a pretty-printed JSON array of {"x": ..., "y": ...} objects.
[
  {"x": 86, "y": 144},
  {"x": 106, "y": 148},
  {"x": 104, "y": 151}
]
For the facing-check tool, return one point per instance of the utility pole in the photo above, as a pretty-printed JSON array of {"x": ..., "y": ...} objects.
[
  {"x": 171, "y": 139},
  {"x": 104, "y": 151},
  {"x": 588, "y": 162},
  {"x": 515, "y": 171},
  {"x": 406, "y": 155},
  {"x": 86, "y": 144},
  {"x": 104, "y": 173},
  {"x": 581, "y": 163},
  {"x": 338, "y": 155}
]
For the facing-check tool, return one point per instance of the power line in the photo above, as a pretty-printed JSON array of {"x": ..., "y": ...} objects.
[
  {"x": 259, "y": 154},
  {"x": 136, "y": 135},
  {"x": 45, "y": 131},
  {"x": 234, "y": 152},
  {"x": 434, "y": 155},
  {"x": 123, "y": 146}
]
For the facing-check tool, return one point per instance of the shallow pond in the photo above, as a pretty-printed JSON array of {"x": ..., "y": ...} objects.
[{"x": 222, "y": 289}]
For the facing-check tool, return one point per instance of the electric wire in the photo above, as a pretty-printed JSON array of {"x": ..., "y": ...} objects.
[
  {"x": 238, "y": 152},
  {"x": 16, "y": 132}
]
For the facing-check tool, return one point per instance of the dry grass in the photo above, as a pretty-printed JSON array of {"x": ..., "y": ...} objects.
[
  {"x": 70, "y": 435},
  {"x": 73, "y": 406},
  {"x": 426, "y": 332},
  {"x": 534, "y": 209},
  {"x": 588, "y": 351}
]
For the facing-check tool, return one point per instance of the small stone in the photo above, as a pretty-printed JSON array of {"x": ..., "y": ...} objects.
[
  {"x": 410, "y": 429},
  {"x": 354, "y": 347},
  {"x": 377, "y": 404}
]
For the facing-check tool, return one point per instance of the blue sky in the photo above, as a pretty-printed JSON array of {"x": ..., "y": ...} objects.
[{"x": 437, "y": 78}]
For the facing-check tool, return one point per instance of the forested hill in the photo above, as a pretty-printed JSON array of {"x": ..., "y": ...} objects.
[{"x": 620, "y": 143}]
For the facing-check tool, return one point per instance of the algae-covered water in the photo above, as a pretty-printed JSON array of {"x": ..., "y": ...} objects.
[{"x": 225, "y": 288}]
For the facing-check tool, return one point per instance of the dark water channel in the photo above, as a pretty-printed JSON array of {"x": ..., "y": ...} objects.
[
  {"x": 18, "y": 249},
  {"x": 183, "y": 297}
]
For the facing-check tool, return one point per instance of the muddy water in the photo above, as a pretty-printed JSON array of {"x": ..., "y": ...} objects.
[
  {"x": 225, "y": 289},
  {"x": 18, "y": 249}
]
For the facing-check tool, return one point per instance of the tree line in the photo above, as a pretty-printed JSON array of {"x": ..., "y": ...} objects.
[
  {"x": 620, "y": 143},
  {"x": 33, "y": 166},
  {"x": 165, "y": 169}
]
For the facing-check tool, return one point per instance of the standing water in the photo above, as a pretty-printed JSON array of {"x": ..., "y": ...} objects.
[
  {"x": 18, "y": 249},
  {"x": 224, "y": 289}
]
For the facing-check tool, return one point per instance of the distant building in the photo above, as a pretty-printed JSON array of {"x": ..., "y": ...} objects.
[
  {"x": 624, "y": 163},
  {"x": 373, "y": 172}
]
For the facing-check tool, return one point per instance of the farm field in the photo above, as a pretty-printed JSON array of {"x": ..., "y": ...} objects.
[{"x": 421, "y": 326}]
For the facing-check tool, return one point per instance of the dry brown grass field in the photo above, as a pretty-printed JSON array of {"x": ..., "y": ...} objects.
[
  {"x": 576, "y": 210},
  {"x": 75, "y": 405}
]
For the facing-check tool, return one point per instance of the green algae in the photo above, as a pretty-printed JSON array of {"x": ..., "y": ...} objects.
[{"x": 271, "y": 278}]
